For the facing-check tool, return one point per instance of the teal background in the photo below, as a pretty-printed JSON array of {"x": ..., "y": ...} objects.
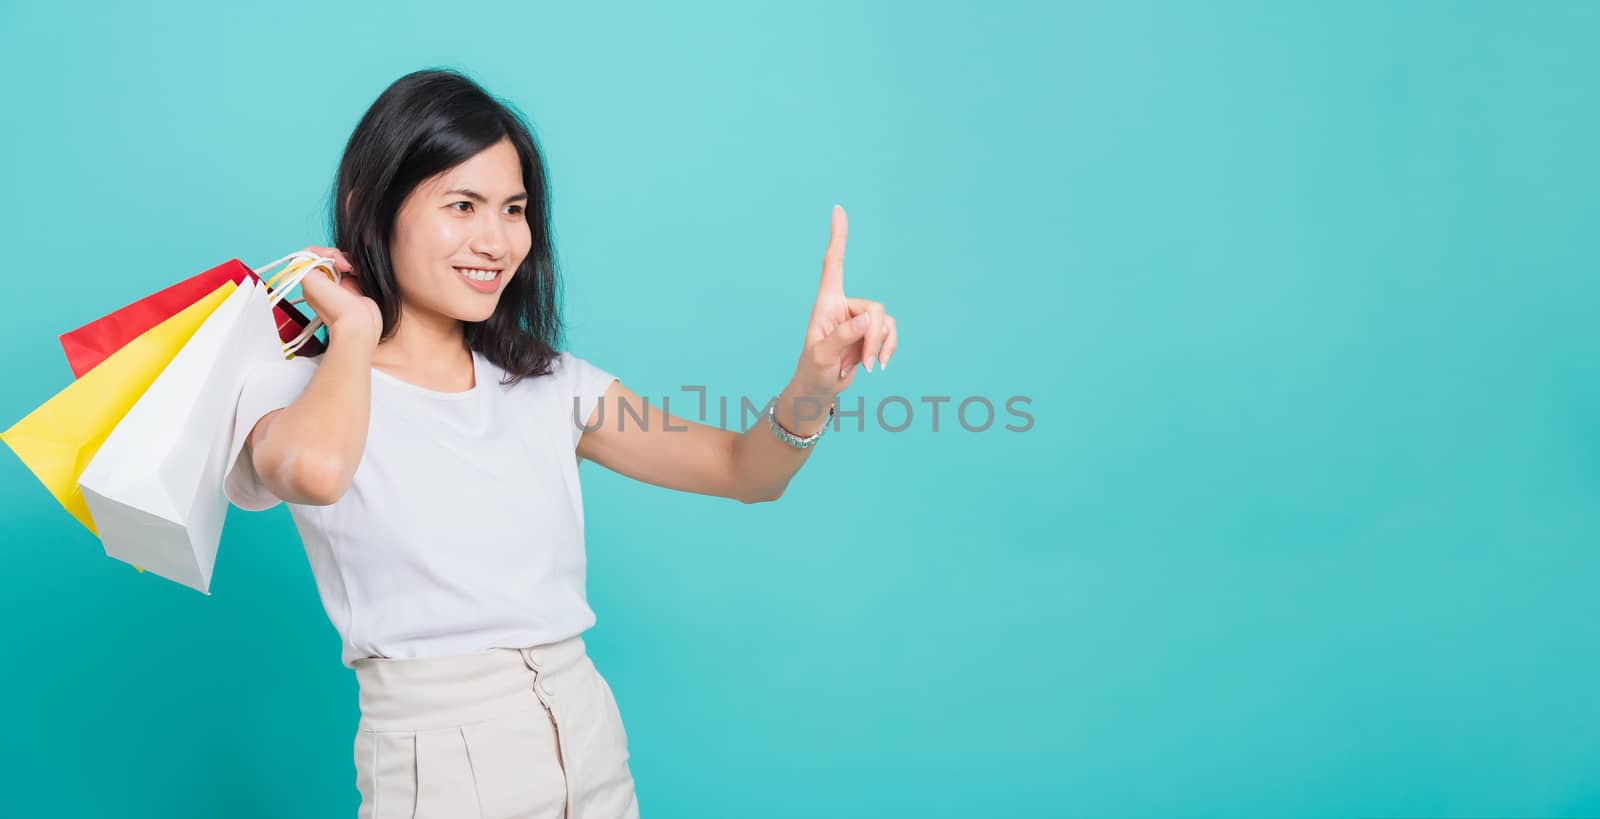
[{"x": 1302, "y": 295}]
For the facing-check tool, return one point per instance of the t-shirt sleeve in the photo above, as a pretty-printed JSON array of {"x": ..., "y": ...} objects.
[
  {"x": 585, "y": 384},
  {"x": 267, "y": 387}
]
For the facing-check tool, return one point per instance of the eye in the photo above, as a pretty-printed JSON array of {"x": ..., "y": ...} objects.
[
  {"x": 516, "y": 210},
  {"x": 463, "y": 202}
]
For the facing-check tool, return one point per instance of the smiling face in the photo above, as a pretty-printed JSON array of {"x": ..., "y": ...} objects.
[{"x": 460, "y": 236}]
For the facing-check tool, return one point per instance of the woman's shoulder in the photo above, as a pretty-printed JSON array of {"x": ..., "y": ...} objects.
[
  {"x": 580, "y": 376},
  {"x": 563, "y": 368},
  {"x": 291, "y": 374},
  {"x": 303, "y": 363}
]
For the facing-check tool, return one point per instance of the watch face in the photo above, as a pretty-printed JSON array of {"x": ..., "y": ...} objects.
[{"x": 794, "y": 440}]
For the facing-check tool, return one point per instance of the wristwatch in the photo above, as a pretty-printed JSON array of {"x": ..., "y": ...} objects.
[{"x": 792, "y": 439}]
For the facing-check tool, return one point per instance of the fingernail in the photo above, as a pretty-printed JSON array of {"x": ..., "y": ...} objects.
[
  {"x": 862, "y": 321},
  {"x": 869, "y": 361},
  {"x": 884, "y": 364}
]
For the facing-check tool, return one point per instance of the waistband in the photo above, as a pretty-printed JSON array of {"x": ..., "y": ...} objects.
[{"x": 422, "y": 693}]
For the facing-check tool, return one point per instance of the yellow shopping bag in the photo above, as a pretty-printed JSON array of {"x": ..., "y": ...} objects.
[{"x": 57, "y": 440}]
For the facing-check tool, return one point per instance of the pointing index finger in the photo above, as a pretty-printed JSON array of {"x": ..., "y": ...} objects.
[{"x": 833, "y": 261}]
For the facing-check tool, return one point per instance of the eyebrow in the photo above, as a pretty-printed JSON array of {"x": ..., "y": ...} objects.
[{"x": 478, "y": 197}]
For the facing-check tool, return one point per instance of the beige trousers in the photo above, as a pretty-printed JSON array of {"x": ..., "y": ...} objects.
[{"x": 530, "y": 733}]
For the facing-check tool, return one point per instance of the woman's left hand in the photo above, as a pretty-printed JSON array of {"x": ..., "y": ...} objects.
[{"x": 842, "y": 331}]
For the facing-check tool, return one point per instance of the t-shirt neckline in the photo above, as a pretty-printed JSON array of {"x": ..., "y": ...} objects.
[{"x": 462, "y": 395}]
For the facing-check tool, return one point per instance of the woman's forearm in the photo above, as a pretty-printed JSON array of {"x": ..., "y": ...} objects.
[
  {"x": 313, "y": 447},
  {"x": 764, "y": 465}
]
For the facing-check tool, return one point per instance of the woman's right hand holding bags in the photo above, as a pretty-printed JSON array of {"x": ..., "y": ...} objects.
[{"x": 343, "y": 303}]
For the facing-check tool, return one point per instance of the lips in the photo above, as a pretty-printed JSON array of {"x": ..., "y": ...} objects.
[{"x": 483, "y": 280}]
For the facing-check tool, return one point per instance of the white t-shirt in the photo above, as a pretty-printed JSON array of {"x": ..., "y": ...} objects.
[{"x": 462, "y": 529}]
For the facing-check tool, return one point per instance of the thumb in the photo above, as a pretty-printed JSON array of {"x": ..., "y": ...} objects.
[{"x": 846, "y": 334}]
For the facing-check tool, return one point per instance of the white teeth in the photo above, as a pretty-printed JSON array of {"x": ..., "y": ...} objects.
[{"x": 478, "y": 275}]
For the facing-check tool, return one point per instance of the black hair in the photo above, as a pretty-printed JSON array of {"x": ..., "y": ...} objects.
[{"x": 424, "y": 124}]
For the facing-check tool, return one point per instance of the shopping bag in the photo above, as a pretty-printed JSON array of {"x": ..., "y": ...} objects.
[
  {"x": 57, "y": 440},
  {"x": 155, "y": 487},
  {"x": 150, "y": 486},
  {"x": 88, "y": 345}
]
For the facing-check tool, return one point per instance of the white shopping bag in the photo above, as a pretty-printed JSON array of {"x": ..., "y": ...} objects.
[{"x": 154, "y": 488}]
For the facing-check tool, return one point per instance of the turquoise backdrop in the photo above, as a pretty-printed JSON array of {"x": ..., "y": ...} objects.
[{"x": 1302, "y": 297}]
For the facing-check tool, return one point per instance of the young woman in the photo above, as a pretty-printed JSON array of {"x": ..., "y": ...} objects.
[{"x": 430, "y": 460}]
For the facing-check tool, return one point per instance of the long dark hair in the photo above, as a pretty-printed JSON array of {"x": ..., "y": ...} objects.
[{"x": 424, "y": 124}]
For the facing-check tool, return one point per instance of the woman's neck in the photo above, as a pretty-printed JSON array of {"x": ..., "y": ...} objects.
[{"x": 428, "y": 350}]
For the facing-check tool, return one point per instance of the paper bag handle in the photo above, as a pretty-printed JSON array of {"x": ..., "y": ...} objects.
[{"x": 299, "y": 265}]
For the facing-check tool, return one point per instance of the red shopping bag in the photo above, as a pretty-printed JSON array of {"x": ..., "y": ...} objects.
[{"x": 88, "y": 345}]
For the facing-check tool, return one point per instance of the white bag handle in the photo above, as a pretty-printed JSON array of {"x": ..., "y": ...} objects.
[{"x": 297, "y": 266}]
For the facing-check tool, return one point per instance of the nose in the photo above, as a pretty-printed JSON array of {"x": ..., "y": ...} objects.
[{"x": 489, "y": 239}]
